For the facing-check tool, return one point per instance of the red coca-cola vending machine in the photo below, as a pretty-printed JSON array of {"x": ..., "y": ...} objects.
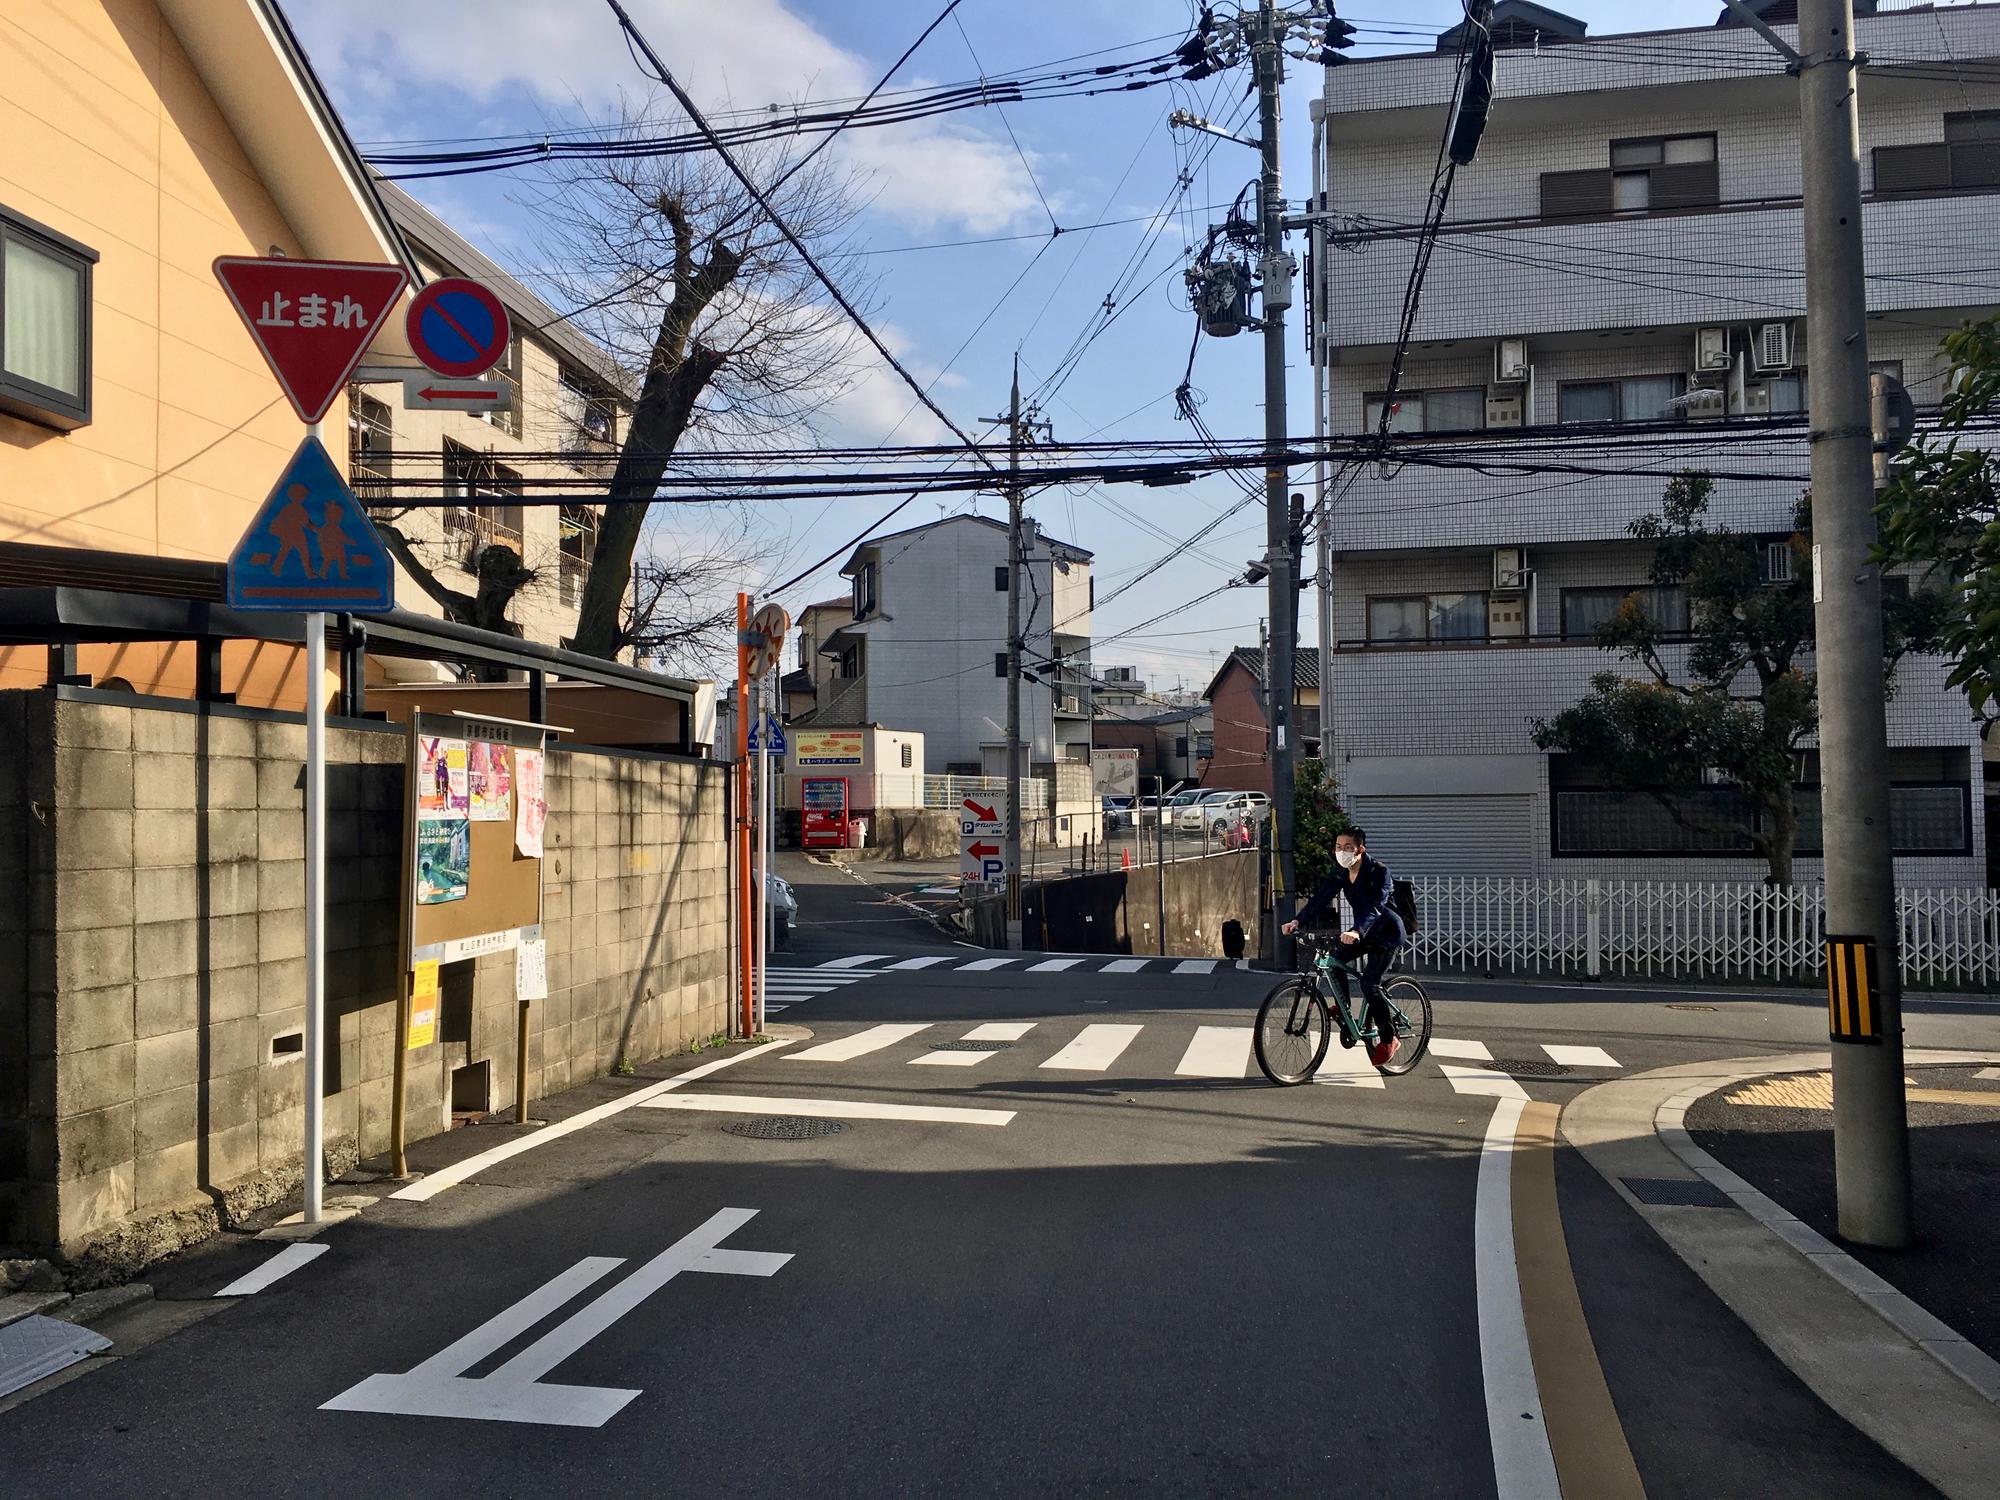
[{"x": 824, "y": 808}]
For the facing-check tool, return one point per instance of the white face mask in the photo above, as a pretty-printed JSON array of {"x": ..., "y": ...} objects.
[{"x": 1348, "y": 858}]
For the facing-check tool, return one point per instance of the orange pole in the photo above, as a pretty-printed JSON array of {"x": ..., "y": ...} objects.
[{"x": 746, "y": 908}]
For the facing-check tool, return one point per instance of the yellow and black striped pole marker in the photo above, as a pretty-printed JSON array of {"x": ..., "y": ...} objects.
[{"x": 1853, "y": 1004}]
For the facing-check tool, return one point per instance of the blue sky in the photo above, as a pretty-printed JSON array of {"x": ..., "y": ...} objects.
[{"x": 405, "y": 70}]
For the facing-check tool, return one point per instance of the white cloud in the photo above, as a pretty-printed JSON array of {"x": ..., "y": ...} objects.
[{"x": 742, "y": 53}]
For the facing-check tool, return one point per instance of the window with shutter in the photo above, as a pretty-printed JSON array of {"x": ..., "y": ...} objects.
[
  {"x": 1913, "y": 169},
  {"x": 1575, "y": 194},
  {"x": 1693, "y": 184}
]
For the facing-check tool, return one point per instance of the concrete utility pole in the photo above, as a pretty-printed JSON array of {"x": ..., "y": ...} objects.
[
  {"x": 1870, "y": 1124},
  {"x": 1268, "y": 58},
  {"x": 1013, "y": 839}
]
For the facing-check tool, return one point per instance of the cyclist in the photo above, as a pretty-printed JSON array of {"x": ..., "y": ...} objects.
[{"x": 1377, "y": 930}]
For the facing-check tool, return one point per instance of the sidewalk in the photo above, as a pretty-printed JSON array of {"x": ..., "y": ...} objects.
[{"x": 1778, "y": 1134}]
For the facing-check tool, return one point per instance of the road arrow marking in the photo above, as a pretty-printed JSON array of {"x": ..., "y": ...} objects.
[{"x": 516, "y": 1392}]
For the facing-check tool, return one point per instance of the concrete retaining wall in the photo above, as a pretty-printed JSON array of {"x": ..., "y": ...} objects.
[
  {"x": 152, "y": 938},
  {"x": 1119, "y": 911}
]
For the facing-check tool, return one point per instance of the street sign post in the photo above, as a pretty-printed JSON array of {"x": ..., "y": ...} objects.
[
  {"x": 458, "y": 327},
  {"x": 982, "y": 840},
  {"x": 312, "y": 319},
  {"x": 424, "y": 392}
]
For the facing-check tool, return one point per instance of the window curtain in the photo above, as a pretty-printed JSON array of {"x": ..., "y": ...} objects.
[{"x": 44, "y": 328}]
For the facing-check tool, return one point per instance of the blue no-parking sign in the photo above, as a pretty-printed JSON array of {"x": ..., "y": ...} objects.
[{"x": 457, "y": 327}]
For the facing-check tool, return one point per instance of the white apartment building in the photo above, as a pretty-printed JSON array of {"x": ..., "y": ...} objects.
[
  {"x": 1625, "y": 248},
  {"x": 570, "y": 397},
  {"x": 925, "y": 645}
]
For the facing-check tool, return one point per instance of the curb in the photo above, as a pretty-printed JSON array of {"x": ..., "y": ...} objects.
[{"x": 1953, "y": 1350}]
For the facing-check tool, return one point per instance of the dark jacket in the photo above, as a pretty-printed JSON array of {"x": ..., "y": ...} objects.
[{"x": 1370, "y": 896}]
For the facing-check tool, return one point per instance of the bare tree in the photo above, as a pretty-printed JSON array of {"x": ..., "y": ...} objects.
[{"x": 728, "y": 336}]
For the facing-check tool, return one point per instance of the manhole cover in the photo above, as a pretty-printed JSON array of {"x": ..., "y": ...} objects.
[
  {"x": 784, "y": 1128},
  {"x": 1677, "y": 1192},
  {"x": 1526, "y": 1067},
  {"x": 970, "y": 1046},
  {"x": 1678, "y": 1005}
]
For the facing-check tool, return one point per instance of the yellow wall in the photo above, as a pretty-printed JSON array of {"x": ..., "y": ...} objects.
[{"x": 108, "y": 135}]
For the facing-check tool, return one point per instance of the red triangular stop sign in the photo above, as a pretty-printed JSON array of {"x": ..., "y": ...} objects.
[{"x": 313, "y": 319}]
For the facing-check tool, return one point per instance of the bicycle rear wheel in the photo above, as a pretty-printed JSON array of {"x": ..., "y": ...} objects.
[
  {"x": 1293, "y": 1029},
  {"x": 1411, "y": 1008}
]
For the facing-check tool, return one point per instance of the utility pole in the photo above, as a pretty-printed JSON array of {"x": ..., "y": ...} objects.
[
  {"x": 1870, "y": 1123},
  {"x": 1017, "y": 424},
  {"x": 1279, "y": 557}
]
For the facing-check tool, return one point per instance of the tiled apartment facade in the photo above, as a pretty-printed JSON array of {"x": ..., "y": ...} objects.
[{"x": 1431, "y": 737}]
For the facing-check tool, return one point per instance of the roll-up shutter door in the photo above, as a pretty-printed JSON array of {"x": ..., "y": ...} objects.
[{"x": 1484, "y": 835}]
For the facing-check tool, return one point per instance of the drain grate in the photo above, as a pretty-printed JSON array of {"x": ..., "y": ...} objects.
[
  {"x": 970, "y": 1046},
  {"x": 784, "y": 1128},
  {"x": 1526, "y": 1067},
  {"x": 1683, "y": 1005},
  {"x": 1677, "y": 1192}
]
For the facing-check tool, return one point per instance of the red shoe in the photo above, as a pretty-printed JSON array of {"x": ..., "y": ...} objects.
[{"x": 1381, "y": 1054}]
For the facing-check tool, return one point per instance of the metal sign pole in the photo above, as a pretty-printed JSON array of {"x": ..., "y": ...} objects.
[{"x": 763, "y": 845}]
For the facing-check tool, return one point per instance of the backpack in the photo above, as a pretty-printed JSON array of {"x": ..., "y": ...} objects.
[{"x": 1404, "y": 899}]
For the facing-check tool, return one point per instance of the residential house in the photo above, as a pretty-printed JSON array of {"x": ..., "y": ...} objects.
[
  {"x": 1241, "y": 730},
  {"x": 1625, "y": 251},
  {"x": 924, "y": 645},
  {"x": 814, "y": 624}
]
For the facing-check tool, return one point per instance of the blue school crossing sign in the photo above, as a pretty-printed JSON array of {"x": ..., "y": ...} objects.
[{"x": 312, "y": 547}]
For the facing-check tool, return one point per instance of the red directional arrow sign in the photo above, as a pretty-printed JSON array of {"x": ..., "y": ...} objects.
[
  {"x": 984, "y": 814},
  {"x": 312, "y": 319},
  {"x": 982, "y": 851}
]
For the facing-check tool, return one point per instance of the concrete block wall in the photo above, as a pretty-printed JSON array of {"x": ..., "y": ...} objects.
[{"x": 153, "y": 866}]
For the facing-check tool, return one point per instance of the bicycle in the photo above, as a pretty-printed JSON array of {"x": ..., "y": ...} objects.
[{"x": 1295, "y": 1024}]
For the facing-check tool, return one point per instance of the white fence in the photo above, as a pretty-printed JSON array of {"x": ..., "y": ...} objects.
[
  {"x": 950, "y": 791},
  {"x": 1688, "y": 930}
]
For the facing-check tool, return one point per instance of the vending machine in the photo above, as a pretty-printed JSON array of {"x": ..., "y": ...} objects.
[{"x": 824, "y": 812}]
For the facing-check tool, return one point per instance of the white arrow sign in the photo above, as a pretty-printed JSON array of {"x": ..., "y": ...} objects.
[
  {"x": 516, "y": 1392},
  {"x": 427, "y": 392}
]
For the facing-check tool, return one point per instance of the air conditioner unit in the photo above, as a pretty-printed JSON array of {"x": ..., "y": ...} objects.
[
  {"x": 1772, "y": 348},
  {"x": 1506, "y": 616},
  {"x": 1756, "y": 399},
  {"x": 1705, "y": 403},
  {"x": 1510, "y": 361},
  {"x": 1711, "y": 349},
  {"x": 1774, "y": 564},
  {"x": 1505, "y": 411},
  {"x": 1069, "y": 706},
  {"x": 1510, "y": 569}
]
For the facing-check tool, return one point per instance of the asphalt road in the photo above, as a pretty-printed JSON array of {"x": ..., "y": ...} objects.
[{"x": 1141, "y": 1273}]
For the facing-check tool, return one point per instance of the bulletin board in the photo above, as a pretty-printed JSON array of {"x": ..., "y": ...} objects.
[{"x": 469, "y": 885}]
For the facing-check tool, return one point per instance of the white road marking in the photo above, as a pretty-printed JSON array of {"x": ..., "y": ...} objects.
[
  {"x": 819, "y": 976},
  {"x": 1094, "y": 1048},
  {"x": 1987, "y": 1073},
  {"x": 282, "y": 1264},
  {"x": 1524, "y": 1468},
  {"x": 830, "y": 1109},
  {"x": 1479, "y": 1081},
  {"x": 1348, "y": 1067},
  {"x": 855, "y": 960},
  {"x": 1579, "y": 1057},
  {"x": 1000, "y": 1031},
  {"x": 433, "y": 1183},
  {"x": 1216, "y": 1052},
  {"x": 1053, "y": 965},
  {"x": 1196, "y": 966},
  {"x": 938, "y": 890},
  {"x": 981, "y": 965},
  {"x": 1125, "y": 966},
  {"x": 874, "y": 1039},
  {"x": 918, "y": 963},
  {"x": 1443, "y": 1046},
  {"x": 948, "y": 1059},
  {"x": 515, "y": 1391}
]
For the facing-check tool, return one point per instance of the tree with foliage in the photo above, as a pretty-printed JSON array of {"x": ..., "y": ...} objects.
[
  {"x": 1317, "y": 820},
  {"x": 1942, "y": 513}
]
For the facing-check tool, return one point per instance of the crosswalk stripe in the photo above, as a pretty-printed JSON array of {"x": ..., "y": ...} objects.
[
  {"x": 1348, "y": 1067},
  {"x": 1053, "y": 965},
  {"x": 855, "y": 960},
  {"x": 917, "y": 963},
  {"x": 1125, "y": 966},
  {"x": 1000, "y": 1031},
  {"x": 1479, "y": 1081},
  {"x": 817, "y": 976},
  {"x": 1216, "y": 1052},
  {"x": 1579, "y": 1057},
  {"x": 874, "y": 1039},
  {"x": 1094, "y": 1048},
  {"x": 1443, "y": 1046},
  {"x": 981, "y": 965},
  {"x": 1196, "y": 966},
  {"x": 949, "y": 1059},
  {"x": 828, "y": 1109}
]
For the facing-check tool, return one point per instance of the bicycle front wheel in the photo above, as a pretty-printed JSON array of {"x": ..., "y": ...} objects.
[
  {"x": 1410, "y": 1008},
  {"x": 1293, "y": 1029}
]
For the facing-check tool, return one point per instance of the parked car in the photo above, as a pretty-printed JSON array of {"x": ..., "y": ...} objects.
[
  {"x": 784, "y": 908},
  {"x": 1146, "y": 810},
  {"x": 1225, "y": 814},
  {"x": 1193, "y": 814},
  {"x": 1117, "y": 813}
]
